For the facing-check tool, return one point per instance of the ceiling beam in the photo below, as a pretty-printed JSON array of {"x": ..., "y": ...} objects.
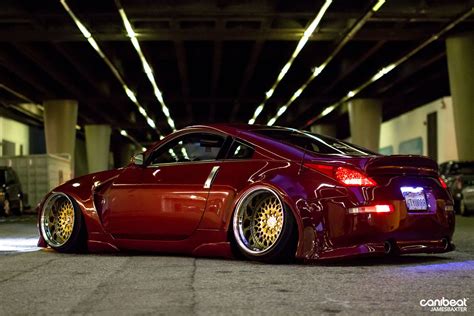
[
  {"x": 410, "y": 97},
  {"x": 435, "y": 76},
  {"x": 183, "y": 75},
  {"x": 248, "y": 74},
  {"x": 207, "y": 100},
  {"x": 169, "y": 13},
  {"x": 15, "y": 91},
  {"x": 415, "y": 67},
  {"x": 217, "y": 34},
  {"x": 25, "y": 73},
  {"x": 80, "y": 66},
  {"x": 48, "y": 65},
  {"x": 353, "y": 66}
]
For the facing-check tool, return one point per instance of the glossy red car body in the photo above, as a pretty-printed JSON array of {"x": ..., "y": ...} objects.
[{"x": 167, "y": 209}]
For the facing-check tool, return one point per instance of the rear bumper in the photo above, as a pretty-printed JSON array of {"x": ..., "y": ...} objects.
[
  {"x": 335, "y": 233},
  {"x": 395, "y": 248}
]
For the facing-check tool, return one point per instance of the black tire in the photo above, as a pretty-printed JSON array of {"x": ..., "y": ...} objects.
[
  {"x": 76, "y": 240},
  {"x": 283, "y": 248}
]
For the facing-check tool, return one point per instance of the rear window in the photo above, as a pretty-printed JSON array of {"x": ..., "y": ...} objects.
[
  {"x": 239, "y": 150},
  {"x": 314, "y": 143}
]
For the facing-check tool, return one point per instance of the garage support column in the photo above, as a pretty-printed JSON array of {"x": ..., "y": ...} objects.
[
  {"x": 324, "y": 129},
  {"x": 98, "y": 147},
  {"x": 460, "y": 52},
  {"x": 60, "y": 119},
  {"x": 365, "y": 116}
]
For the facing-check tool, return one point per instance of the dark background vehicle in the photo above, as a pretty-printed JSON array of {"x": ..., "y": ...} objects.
[
  {"x": 457, "y": 174},
  {"x": 467, "y": 203},
  {"x": 11, "y": 194}
]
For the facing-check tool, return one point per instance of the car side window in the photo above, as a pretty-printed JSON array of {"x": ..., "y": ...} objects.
[
  {"x": 189, "y": 147},
  {"x": 239, "y": 150}
]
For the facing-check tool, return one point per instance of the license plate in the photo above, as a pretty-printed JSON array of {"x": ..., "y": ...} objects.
[{"x": 415, "y": 198}]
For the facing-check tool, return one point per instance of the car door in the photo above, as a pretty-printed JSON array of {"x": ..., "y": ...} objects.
[
  {"x": 166, "y": 197},
  {"x": 240, "y": 167}
]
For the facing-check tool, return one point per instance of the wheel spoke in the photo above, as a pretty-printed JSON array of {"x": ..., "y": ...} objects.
[
  {"x": 58, "y": 220},
  {"x": 261, "y": 222}
]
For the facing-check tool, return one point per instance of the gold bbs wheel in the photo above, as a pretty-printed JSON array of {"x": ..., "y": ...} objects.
[
  {"x": 57, "y": 220},
  {"x": 258, "y": 221}
]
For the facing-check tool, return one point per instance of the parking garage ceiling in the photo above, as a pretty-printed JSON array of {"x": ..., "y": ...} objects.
[{"x": 216, "y": 61}]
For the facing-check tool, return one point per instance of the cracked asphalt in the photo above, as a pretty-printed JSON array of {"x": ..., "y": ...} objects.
[{"x": 34, "y": 281}]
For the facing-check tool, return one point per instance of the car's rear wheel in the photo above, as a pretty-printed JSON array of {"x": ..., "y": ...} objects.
[
  {"x": 62, "y": 224},
  {"x": 264, "y": 229}
]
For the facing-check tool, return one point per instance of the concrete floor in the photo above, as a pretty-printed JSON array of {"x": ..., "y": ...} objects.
[{"x": 36, "y": 281}]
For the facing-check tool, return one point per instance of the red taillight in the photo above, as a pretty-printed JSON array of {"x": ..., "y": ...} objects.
[
  {"x": 346, "y": 176},
  {"x": 443, "y": 184},
  {"x": 327, "y": 170},
  {"x": 351, "y": 177},
  {"x": 379, "y": 208}
]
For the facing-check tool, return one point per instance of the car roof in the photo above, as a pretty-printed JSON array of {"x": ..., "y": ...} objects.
[{"x": 236, "y": 128}]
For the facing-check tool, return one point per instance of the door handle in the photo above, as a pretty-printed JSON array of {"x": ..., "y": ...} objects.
[{"x": 211, "y": 177}]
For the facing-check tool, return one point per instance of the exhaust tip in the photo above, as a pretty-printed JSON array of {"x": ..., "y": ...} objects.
[{"x": 387, "y": 247}]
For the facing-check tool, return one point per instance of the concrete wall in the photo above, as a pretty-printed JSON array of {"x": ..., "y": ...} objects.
[
  {"x": 15, "y": 132},
  {"x": 408, "y": 131}
]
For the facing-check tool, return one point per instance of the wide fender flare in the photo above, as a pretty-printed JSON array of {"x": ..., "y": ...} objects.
[{"x": 285, "y": 199}]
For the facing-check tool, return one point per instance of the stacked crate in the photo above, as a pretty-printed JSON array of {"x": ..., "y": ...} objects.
[{"x": 39, "y": 174}]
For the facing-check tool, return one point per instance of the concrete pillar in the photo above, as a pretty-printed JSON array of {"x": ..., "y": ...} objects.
[
  {"x": 60, "y": 119},
  {"x": 98, "y": 147},
  {"x": 460, "y": 52},
  {"x": 365, "y": 116},
  {"x": 324, "y": 129}
]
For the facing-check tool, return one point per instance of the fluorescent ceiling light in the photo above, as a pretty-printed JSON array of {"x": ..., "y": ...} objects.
[
  {"x": 88, "y": 35},
  {"x": 318, "y": 70},
  {"x": 385, "y": 70},
  {"x": 146, "y": 66},
  {"x": 378, "y": 5},
  {"x": 301, "y": 43}
]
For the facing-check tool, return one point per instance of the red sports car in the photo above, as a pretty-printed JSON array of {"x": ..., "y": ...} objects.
[{"x": 270, "y": 194}]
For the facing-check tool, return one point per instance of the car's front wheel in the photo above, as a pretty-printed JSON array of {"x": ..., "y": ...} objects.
[
  {"x": 61, "y": 224},
  {"x": 264, "y": 228}
]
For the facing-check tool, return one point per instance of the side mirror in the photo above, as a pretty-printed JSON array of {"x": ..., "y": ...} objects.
[{"x": 137, "y": 159}]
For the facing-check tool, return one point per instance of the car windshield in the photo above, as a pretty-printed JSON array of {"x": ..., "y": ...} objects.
[{"x": 315, "y": 143}]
